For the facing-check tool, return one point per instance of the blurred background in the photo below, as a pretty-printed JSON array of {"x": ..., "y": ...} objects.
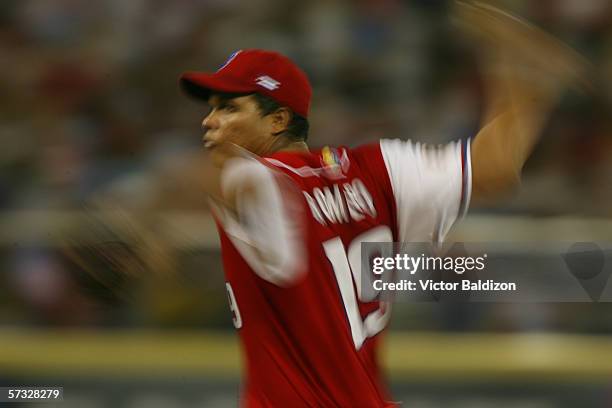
[{"x": 90, "y": 108}]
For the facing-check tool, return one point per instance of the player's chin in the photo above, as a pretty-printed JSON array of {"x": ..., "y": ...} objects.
[
  {"x": 221, "y": 153},
  {"x": 217, "y": 156}
]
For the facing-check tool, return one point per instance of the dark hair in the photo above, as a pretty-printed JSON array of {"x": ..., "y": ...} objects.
[{"x": 298, "y": 125}]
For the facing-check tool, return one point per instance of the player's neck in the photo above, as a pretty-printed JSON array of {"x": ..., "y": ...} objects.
[
  {"x": 284, "y": 144},
  {"x": 299, "y": 146}
]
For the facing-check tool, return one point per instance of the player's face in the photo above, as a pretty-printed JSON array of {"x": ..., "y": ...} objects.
[{"x": 237, "y": 121}]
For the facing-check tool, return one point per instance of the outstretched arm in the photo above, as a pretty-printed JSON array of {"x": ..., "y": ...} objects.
[
  {"x": 526, "y": 70},
  {"x": 503, "y": 145}
]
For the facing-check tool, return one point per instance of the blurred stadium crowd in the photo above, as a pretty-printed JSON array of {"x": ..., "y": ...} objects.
[{"x": 91, "y": 104}]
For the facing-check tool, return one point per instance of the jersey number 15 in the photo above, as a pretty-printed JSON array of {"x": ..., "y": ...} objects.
[{"x": 347, "y": 268}]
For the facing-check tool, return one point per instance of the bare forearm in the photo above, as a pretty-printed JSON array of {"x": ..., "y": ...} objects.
[
  {"x": 526, "y": 70},
  {"x": 502, "y": 147}
]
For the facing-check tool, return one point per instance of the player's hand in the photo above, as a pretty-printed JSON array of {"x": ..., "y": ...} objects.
[
  {"x": 112, "y": 249},
  {"x": 506, "y": 39}
]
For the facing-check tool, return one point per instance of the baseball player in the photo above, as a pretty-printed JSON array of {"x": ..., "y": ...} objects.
[{"x": 291, "y": 219}]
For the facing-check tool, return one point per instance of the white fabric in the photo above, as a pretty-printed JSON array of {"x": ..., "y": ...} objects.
[
  {"x": 266, "y": 232},
  {"x": 428, "y": 185}
]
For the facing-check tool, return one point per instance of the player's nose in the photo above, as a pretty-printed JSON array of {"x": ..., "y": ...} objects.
[{"x": 209, "y": 122}]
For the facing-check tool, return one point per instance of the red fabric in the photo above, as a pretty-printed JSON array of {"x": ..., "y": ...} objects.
[
  {"x": 265, "y": 72},
  {"x": 297, "y": 341}
]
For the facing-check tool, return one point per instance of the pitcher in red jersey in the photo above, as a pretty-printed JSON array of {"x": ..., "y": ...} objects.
[{"x": 291, "y": 220}]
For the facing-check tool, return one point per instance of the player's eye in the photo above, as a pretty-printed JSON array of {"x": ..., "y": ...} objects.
[{"x": 228, "y": 107}]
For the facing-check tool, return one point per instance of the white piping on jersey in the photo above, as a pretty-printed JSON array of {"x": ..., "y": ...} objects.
[
  {"x": 466, "y": 188},
  {"x": 307, "y": 171},
  {"x": 304, "y": 171}
]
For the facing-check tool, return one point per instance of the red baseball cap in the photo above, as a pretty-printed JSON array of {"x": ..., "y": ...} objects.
[{"x": 264, "y": 72}]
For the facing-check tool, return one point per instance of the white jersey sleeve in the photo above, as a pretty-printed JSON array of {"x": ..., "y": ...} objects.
[
  {"x": 267, "y": 230},
  {"x": 431, "y": 186}
]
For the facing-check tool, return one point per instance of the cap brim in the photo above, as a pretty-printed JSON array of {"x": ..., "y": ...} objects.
[{"x": 200, "y": 85}]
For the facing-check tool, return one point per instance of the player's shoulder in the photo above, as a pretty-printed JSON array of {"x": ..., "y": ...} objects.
[{"x": 328, "y": 162}]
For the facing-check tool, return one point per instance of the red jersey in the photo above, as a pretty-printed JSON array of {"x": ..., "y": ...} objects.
[{"x": 292, "y": 261}]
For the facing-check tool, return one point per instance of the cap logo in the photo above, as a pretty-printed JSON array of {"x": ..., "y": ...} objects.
[
  {"x": 267, "y": 82},
  {"x": 229, "y": 59}
]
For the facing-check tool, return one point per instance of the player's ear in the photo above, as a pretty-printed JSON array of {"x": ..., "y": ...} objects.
[{"x": 280, "y": 120}]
